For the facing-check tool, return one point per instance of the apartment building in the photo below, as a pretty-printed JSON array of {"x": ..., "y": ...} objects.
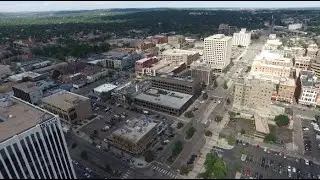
[
  {"x": 176, "y": 41},
  {"x": 302, "y": 62},
  {"x": 286, "y": 89},
  {"x": 217, "y": 51},
  {"x": 71, "y": 108},
  {"x": 179, "y": 55},
  {"x": 312, "y": 51},
  {"x": 253, "y": 93},
  {"x": 241, "y": 38},
  {"x": 315, "y": 66},
  {"x": 309, "y": 88},
  {"x": 202, "y": 72},
  {"x": 28, "y": 91},
  {"x": 32, "y": 143},
  {"x": 271, "y": 64},
  {"x": 183, "y": 85},
  {"x": 134, "y": 136}
]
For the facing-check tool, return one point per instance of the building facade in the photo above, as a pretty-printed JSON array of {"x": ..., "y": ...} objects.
[
  {"x": 253, "y": 93},
  {"x": 242, "y": 38},
  {"x": 217, "y": 51},
  {"x": 202, "y": 72},
  {"x": 312, "y": 51},
  {"x": 315, "y": 66},
  {"x": 286, "y": 89},
  {"x": 28, "y": 91},
  {"x": 144, "y": 63},
  {"x": 302, "y": 62},
  {"x": 32, "y": 143},
  {"x": 71, "y": 108},
  {"x": 309, "y": 88},
  {"x": 179, "y": 55},
  {"x": 176, "y": 41}
]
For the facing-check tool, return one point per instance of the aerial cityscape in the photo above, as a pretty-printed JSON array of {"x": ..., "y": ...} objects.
[{"x": 134, "y": 91}]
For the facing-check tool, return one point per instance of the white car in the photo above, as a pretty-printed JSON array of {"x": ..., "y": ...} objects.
[
  {"x": 98, "y": 146},
  {"x": 294, "y": 169},
  {"x": 305, "y": 129},
  {"x": 307, "y": 162},
  {"x": 289, "y": 168}
]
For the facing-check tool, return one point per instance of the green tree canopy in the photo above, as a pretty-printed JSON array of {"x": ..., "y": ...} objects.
[
  {"x": 282, "y": 120},
  {"x": 188, "y": 114},
  {"x": 177, "y": 148},
  {"x": 270, "y": 138},
  {"x": 205, "y": 96},
  {"x": 149, "y": 156},
  {"x": 190, "y": 132}
]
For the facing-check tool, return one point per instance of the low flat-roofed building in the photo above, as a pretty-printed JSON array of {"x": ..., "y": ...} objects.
[
  {"x": 27, "y": 131},
  {"x": 272, "y": 44},
  {"x": 164, "y": 67},
  {"x": 180, "y": 55},
  {"x": 71, "y": 108},
  {"x": 183, "y": 85},
  {"x": 31, "y": 76},
  {"x": 104, "y": 88},
  {"x": 135, "y": 135},
  {"x": 176, "y": 41},
  {"x": 144, "y": 63},
  {"x": 171, "y": 102},
  {"x": 28, "y": 91},
  {"x": 302, "y": 62}
]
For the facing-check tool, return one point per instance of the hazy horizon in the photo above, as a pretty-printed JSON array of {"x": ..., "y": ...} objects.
[{"x": 42, "y": 6}]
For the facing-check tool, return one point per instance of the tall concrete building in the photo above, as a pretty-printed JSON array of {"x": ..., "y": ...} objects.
[
  {"x": 32, "y": 144},
  {"x": 253, "y": 93},
  {"x": 315, "y": 66},
  {"x": 241, "y": 38},
  {"x": 217, "y": 51},
  {"x": 202, "y": 72},
  {"x": 309, "y": 88}
]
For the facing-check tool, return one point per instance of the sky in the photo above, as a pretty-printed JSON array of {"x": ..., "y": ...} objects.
[{"x": 19, "y": 6}]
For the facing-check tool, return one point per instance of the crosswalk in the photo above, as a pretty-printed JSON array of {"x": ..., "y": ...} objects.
[
  {"x": 127, "y": 174},
  {"x": 163, "y": 171}
]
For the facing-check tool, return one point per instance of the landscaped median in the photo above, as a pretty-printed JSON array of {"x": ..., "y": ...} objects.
[
  {"x": 176, "y": 150},
  {"x": 190, "y": 132}
]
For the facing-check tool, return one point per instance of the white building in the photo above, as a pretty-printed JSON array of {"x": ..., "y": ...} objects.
[
  {"x": 309, "y": 88},
  {"x": 217, "y": 51},
  {"x": 32, "y": 143},
  {"x": 104, "y": 88},
  {"x": 242, "y": 38},
  {"x": 295, "y": 26},
  {"x": 272, "y": 36}
]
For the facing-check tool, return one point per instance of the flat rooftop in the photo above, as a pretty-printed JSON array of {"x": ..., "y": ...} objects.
[
  {"x": 24, "y": 74},
  {"x": 218, "y": 37},
  {"x": 261, "y": 124},
  {"x": 145, "y": 59},
  {"x": 134, "y": 129},
  {"x": 105, "y": 88},
  {"x": 166, "y": 98},
  {"x": 64, "y": 100},
  {"x": 177, "y": 52},
  {"x": 27, "y": 86},
  {"x": 17, "y": 116},
  {"x": 267, "y": 55}
]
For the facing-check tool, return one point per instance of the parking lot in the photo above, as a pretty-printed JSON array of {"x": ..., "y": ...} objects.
[
  {"x": 261, "y": 163},
  {"x": 311, "y": 144}
]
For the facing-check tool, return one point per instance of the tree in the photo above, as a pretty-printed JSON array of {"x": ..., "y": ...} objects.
[
  {"x": 215, "y": 167},
  {"x": 243, "y": 131},
  {"x": 74, "y": 145},
  {"x": 218, "y": 119},
  {"x": 282, "y": 120},
  {"x": 177, "y": 148},
  {"x": 190, "y": 132},
  {"x": 228, "y": 101},
  {"x": 215, "y": 84},
  {"x": 188, "y": 114},
  {"x": 149, "y": 156},
  {"x": 270, "y": 138},
  {"x": 185, "y": 169},
  {"x": 205, "y": 96},
  {"x": 84, "y": 155},
  {"x": 105, "y": 96},
  {"x": 179, "y": 125},
  {"x": 208, "y": 133},
  {"x": 225, "y": 85},
  {"x": 108, "y": 168}
]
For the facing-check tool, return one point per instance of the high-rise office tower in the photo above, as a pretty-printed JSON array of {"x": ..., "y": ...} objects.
[
  {"x": 217, "y": 51},
  {"x": 32, "y": 144}
]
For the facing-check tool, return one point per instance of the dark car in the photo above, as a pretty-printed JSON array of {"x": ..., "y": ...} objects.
[{"x": 261, "y": 176}]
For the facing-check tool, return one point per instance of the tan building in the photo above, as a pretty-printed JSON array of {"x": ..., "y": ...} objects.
[
  {"x": 271, "y": 64},
  {"x": 71, "y": 108},
  {"x": 286, "y": 90},
  {"x": 179, "y": 55},
  {"x": 202, "y": 72},
  {"x": 315, "y": 66},
  {"x": 176, "y": 41},
  {"x": 312, "y": 50},
  {"x": 134, "y": 136},
  {"x": 302, "y": 62},
  {"x": 253, "y": 93}
]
